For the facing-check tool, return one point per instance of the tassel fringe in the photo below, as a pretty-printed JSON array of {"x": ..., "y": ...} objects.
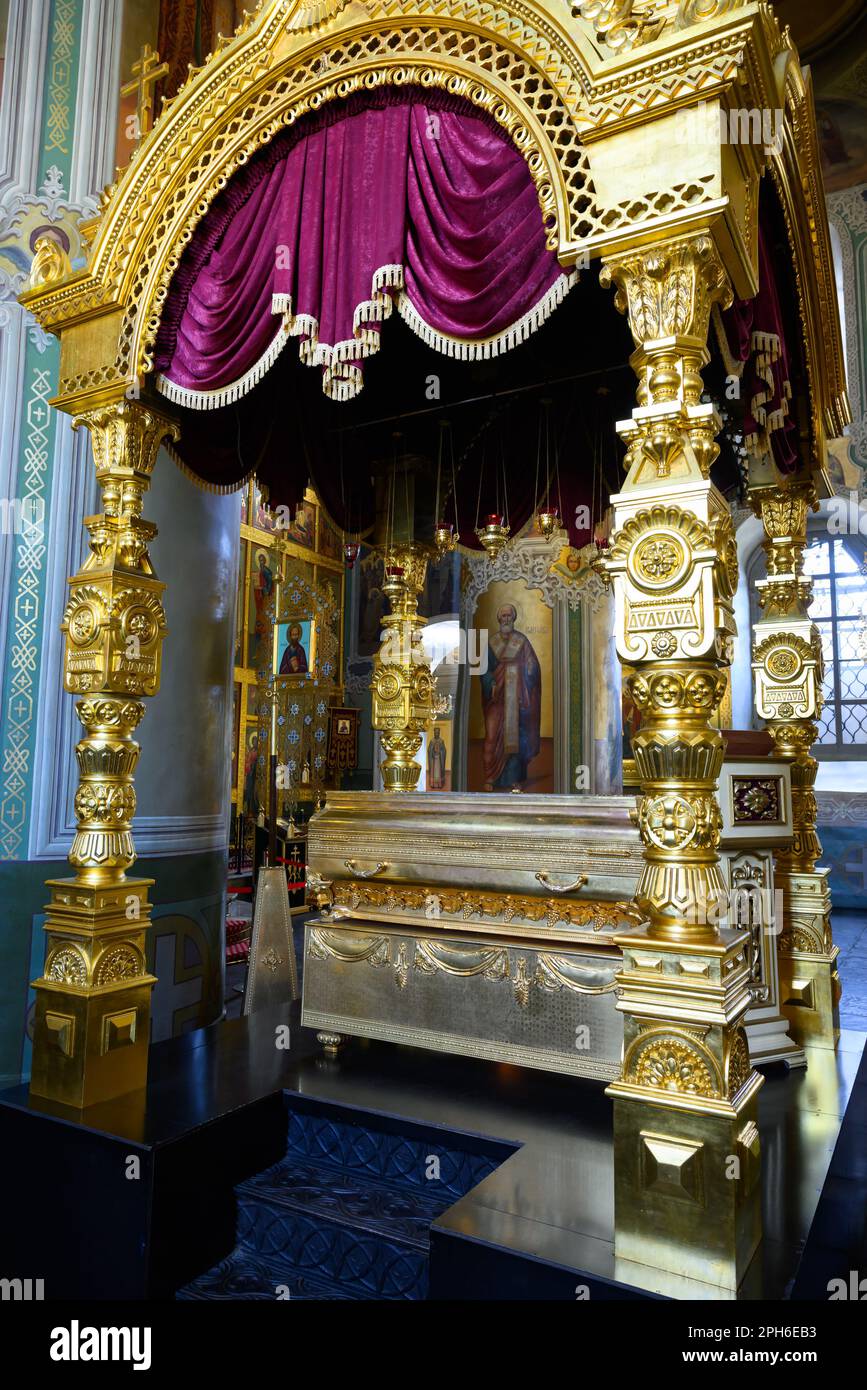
[
  {"x": 224, "y": 395},
  {"x": 342, "y": 378},
  {"x": 767, "y": 351},
  {"x": 472, "y": 350},
  {"x": 766, "y": 346},
  {"x": 220, "y": 489}
]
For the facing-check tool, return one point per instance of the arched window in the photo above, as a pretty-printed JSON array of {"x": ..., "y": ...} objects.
[{"x": 836, "y": 565}]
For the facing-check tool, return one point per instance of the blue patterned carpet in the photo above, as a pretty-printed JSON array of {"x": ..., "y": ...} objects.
[{"x": 346, "y": 1214}]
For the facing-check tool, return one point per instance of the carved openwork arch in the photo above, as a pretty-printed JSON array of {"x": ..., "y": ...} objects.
[
  {"x": 797, "y": 173},
  {"x": 518, "y": 65},
  {"x": 564, "y": 94},
  {"x": 470, "y": 64}
]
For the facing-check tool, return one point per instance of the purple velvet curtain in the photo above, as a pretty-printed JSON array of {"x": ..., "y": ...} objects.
[
  {"x": 403, "y": 198},
  {"x": 753, "y": 343}
]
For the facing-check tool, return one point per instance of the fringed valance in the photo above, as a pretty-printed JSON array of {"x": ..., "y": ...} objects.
[
  {"x": 752, "y": 341},
  {"x": 404, "y": 197}
]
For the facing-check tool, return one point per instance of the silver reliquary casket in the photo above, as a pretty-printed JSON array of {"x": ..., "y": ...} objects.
[{"x": 474, "y": 925}]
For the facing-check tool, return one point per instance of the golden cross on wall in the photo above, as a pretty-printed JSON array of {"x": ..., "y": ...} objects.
[{"x": 146, "y": 73}]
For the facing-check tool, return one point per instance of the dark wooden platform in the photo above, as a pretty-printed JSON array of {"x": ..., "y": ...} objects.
[{"x": 214, "y": 1114}]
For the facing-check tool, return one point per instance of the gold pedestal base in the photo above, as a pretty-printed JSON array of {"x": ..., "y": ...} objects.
[
  {"x": 687, "y": 1189},
  {"x": 810, "y": 986},
  {"x": 687, "y": 1193},
  {"x": 92, "y": 1022},
  {"x": 94, "y": 1043},
  {"x": 810, "y": 997},
  {"x": 400, "y": 772}
]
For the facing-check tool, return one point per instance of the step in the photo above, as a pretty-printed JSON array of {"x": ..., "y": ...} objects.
[
  {"x": 346, "y": 1227},
  {"x": 400, "y": 1152},
  {"x": 251, "y": 1277},
  {"x": 347, "y": 1213}
]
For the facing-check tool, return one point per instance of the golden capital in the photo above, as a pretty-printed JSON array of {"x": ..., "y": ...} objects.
[
  {"x": 668, "y": 289},
  {"x": 783, "y": 512},
  {"x": 783, "y": 509},
  {"x": 126, "y": 437},
  {"x": 405, "y": 573}
]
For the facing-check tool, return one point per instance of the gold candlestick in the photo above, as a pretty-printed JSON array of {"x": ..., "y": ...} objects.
[{"x": 402, "y": 684}]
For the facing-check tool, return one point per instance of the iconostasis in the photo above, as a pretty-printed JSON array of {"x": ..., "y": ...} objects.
[{"x": 289, "y": 658}]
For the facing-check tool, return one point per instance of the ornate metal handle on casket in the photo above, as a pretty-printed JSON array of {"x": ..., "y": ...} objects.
[
  {"x": 351, "y": 864},
  {"x": 561, "y": 888}
]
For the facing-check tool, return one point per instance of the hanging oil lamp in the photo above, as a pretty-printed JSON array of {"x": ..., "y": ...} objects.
[
  {"x": 350, "y": 553},
  {"x": 444, "y": 539},
  {"x": 548, "y": 519},
  {"x": 495, "y": 530},
  {"x": 547, "y": 512},
  {"x": 394, "y": 585},
  {"x": 494, "y": 535}
]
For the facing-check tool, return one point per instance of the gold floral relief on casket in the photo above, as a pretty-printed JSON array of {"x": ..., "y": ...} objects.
[
  {"x": 436, "y": 902},
  {"x": 532, "y": 971},
  {"x": 552, "y": 972}
]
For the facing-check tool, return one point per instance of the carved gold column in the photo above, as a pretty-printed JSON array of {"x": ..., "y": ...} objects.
[
  {"x": 93, "y": 1000},
  {"x": 401, "y": 685},
  {"x": 788, "y": 668},
  {"x": 686, "y": 1142}
]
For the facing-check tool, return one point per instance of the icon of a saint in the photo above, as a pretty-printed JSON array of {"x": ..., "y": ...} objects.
[
  {"x": 263, "y": 587},
  {"x": 294, "y": 659},
  {"x": 436, "y": 762},
  {"x": 511, "y": 703},
  {"x": 250, "y": 756}
]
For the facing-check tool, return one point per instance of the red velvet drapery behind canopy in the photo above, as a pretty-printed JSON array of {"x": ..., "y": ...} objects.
[{"x": 753, "y": 342}]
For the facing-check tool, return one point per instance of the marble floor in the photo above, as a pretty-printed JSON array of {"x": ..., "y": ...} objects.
[{"x": 850, "y": 934}]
